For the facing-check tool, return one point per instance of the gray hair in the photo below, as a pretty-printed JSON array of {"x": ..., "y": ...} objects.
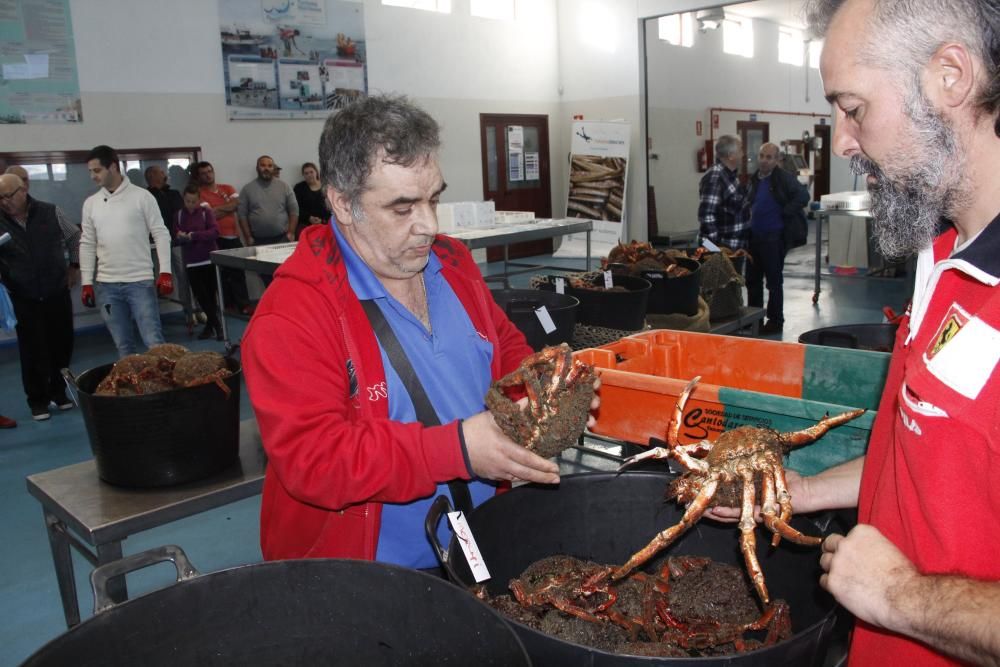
[
  {"x": 727, "y": 146},
  {"x": 904, "y": 34},
  {"x": 389, "y": 128}
]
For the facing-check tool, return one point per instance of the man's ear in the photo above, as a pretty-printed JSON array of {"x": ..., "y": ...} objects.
[
  {"x": 340, "y": 204},
  {"x": 951, "y": 75}
]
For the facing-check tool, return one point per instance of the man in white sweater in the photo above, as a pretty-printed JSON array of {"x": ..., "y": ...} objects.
[{"x": 117, "y": 223}]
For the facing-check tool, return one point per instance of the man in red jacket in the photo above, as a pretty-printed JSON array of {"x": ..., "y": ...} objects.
[
  {"x": 915, "y": 88},
  {"x": 352, "y": 467}
]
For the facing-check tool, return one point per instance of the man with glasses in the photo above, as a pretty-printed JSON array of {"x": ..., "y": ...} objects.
[{"x": 35, "y": 268}]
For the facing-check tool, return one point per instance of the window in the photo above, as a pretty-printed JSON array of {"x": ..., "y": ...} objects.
[
  {"x": 493, "y": 9},
  {"x": 677, "y": 29},
  {"x": 443, "y": 6},
  {"x": 815, "y": 48},
  {"x": 790, "y": 46},
  {"x": 737, "y": 36}
]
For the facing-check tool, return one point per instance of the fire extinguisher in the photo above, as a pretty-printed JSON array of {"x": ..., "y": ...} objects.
[{"x": 702, "y": 159}]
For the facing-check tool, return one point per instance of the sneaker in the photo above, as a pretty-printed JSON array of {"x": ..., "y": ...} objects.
[
  {"x": 206, "y": 333},
  {"x": 62, "y": 402},
  {"x": 40, "y": 414},
  {"x": 7, "y": 422}
]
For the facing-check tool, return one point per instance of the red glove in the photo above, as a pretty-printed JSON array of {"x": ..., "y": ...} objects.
[
  {"x": 165, "y": 284},
  {"x": 87, "y": 296}
]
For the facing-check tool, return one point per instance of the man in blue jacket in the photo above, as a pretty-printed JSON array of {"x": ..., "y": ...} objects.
[{"x": 774, "y": 203}]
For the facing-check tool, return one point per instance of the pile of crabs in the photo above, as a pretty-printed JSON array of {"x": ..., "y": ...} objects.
[
  {"x": 685, "y": 606},
  {"x": 163, "y": 368},
  {"x": 636, "y": 257}
]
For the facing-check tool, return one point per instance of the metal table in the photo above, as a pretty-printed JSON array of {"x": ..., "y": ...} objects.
[
  {"x": 748, "y": 317},
  {"x": 246, "y": 259},
  {"x": 505, "y": 235},
  {"x": 82, "y": 510},
  {"x": 825, "y": 215}
]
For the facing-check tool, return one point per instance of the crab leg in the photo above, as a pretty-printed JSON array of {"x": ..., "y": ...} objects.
[
  {"x": 674, "y": 427},
  {"x": 663, "y": 539},
  {"x": 819, "y": 429},
  {"x": 748, "y": 540}
]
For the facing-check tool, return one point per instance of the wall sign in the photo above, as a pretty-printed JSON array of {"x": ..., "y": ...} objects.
[{"x": 291, "y": 58}]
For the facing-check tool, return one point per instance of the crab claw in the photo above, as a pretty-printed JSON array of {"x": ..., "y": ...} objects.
[{"x": 656, "y": 453}]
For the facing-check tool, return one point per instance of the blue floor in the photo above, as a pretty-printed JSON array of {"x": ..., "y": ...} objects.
[{"x": 29, "y": 599}]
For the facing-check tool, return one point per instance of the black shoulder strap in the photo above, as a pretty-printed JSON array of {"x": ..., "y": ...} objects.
[{"x": 426, "y": 414}]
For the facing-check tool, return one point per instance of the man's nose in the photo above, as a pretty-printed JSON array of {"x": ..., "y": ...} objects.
[
  {"x": 426, "y": 220},
  {"x": 844, "y": 143}
]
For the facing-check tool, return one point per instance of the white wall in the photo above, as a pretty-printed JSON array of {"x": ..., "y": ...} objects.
[
  {"x": 151, "y": 75},
  {"x": 685, "y": 83}
]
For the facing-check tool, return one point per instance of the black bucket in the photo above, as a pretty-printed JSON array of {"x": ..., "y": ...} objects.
[
  {"x": 161, "y": 439},
  {"x": 625, "y": 311},
  {"x": 674, "y": 294},
  {"x": 521, "y": 304},
  {"x": 605, "y": 518},
  {"x": 872, "y": 337},
  {"x": 292, "y": 612}
]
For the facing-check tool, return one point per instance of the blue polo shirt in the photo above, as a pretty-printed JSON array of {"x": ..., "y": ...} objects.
[{"x": 453, "y": 364}]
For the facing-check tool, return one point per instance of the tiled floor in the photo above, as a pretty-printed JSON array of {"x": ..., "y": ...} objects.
[{"x": 29, "y": 599}]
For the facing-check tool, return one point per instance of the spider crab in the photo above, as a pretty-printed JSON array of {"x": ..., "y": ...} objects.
[
  {"x": 559, "y": 391},
  {"x": 734, "y": 466},
  {"x": 642, "y": 603}
]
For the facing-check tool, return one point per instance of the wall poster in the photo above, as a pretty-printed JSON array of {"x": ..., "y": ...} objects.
[
  {"x": 291, "y": 58},
  {"x": 597, "y": 180},
  {"x": 38, "y": 76}
]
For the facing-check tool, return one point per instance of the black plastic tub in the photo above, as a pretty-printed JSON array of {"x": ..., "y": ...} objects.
[
  {"x": 521, "y": 304},
  {"x": 872, "y": 337},
  {"x": 302, "y": 613},
  {"x": 161, "y": 439},
  {"x": 605, "y": 518},
  {"x": 624, "y": 310},
  {"x": 674, "y": 294}
]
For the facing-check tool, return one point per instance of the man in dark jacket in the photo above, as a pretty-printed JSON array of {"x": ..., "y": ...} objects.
[
  {"x": 33, "y": 267},
  {"x": 774, "y": 205},
  {"x": 170, "y": 203}
]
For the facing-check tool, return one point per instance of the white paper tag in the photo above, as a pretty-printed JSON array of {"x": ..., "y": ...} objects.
[
  {"x": 542, "y": 313},
  {"x": 560, "y": 285},
  {"x": 464, "y": 534},
  {"x": 608, "y": 280},
  {"x": 708, "y": 245}
]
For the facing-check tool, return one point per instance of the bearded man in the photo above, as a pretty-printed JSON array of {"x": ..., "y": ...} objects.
[{"x": 915, "y": 88}]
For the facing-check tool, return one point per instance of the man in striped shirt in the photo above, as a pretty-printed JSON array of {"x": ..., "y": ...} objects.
[{"x": 721, "y": 196}]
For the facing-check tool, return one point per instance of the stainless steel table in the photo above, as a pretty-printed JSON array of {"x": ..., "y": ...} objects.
[
  {"x": 82, "y": 510},
  {"x": 821, "y": 216},
  {"x": 247, "y": 259}
]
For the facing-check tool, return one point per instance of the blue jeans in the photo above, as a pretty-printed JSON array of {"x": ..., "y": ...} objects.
[{"x": 120, "y": 304}]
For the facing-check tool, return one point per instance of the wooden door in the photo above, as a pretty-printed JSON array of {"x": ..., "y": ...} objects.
[
  {"x": 515, "y": 162},
  {"x": 821, "y": 162},
  {"x": 753, "y": 134}
]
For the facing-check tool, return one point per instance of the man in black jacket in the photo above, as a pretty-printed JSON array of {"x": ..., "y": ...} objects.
[
  {"x": 774, "y": 204},
  {"x": 33, "y": 267}
]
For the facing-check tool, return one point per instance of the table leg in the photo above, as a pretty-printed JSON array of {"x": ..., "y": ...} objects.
[
  {"x": 587, "y": 267},
  {"x": 62, "y": 559},
  {"x": 106, "y": 553},
  {"x": 222, "y": 305},
  {"x": 819, "y": 254}
]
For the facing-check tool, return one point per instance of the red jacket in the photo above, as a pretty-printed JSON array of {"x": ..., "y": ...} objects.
[
  {"x": 315, "y": 378},
  {"x": 931, "y": 481}
]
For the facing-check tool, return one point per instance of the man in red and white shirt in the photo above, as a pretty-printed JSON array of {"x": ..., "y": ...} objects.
[
  {"x": 224, "y": 199},
  {"x": 915, "y": 89}
]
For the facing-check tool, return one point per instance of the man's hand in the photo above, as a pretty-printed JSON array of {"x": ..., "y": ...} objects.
[
  {"x": 797, "y": 488},
  {"x": 165, "y": 284},
  {"x": 72, "y": 277},
  {"x": 867, "y": 574},
  {"x": 87, "y": 296},
  {"x": 495, "y": 456}
]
